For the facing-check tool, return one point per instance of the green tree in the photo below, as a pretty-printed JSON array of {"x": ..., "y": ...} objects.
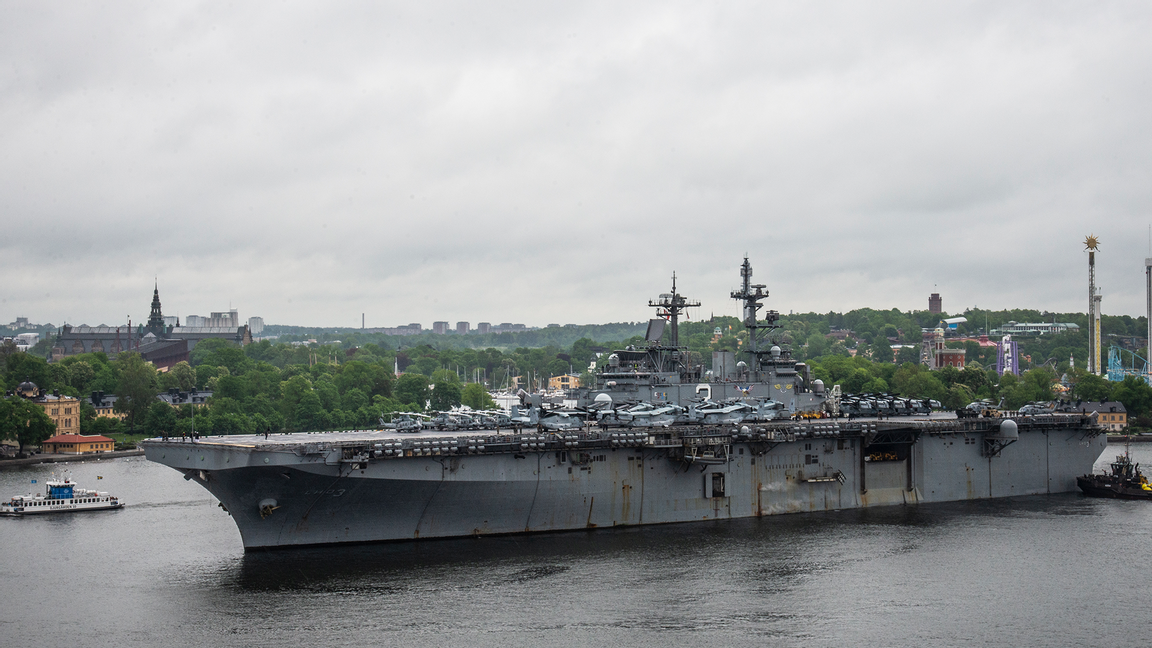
[
  {"x": 412, "y": 388},
  {"x": 974, "y": 378},
  {"x": 24, "y": 422},
  {"x": 445, "y": 391},
  {"x": 907, "y": 354},
  {"x": 80, "y": 374},
  {"x": 475, "y": 396},
  {"x": 1091, "y": 387},
  {"x": 880, "y": 350},
  {"x": 353, "y": 400},
  {"x": 137, "y": 388},
  {"x": 204, "y": 373},
  {"x": 329, "y": 395},
  {"x": 25, "y": 366},
  {"x": 372, "y": 379},
  {"x": 916, "y": 381},
  {"x": 183, "y": 376},
  {"x": 1135, "y": 394},
  {"x": 309, "y": 413},
  {"x": 160, "y": 420},
  {"x": 106, "y": 426},
  {"x": 958, "y": 396}
]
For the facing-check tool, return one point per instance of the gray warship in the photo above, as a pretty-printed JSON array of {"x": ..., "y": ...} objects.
[{"x": 386, "y": 485}]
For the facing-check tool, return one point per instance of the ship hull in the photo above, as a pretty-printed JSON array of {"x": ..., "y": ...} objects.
[{"x": 281, "y": 497}]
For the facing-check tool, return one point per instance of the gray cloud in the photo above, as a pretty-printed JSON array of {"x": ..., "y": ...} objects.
[{"x": 520, "y": 162}]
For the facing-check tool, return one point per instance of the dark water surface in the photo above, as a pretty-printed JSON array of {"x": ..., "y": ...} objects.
[{"x": 169, "y": 570}]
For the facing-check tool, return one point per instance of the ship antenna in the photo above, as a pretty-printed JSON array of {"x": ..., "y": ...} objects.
[{"x": 759, "y": 330}]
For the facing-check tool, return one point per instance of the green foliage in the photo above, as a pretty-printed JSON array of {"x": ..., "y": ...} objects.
[
  {"x": 1090, "y": 387},
  {"x": 1034, "y": 385},
  {"x": 475, "y": 396},
  {"x": 412, "y": 389},
  {"x": 24, "y": 422},
  {"x": 1136, "y": 395},
  {"x": 445, "y": 391},
  {"x": 137, "y": 387},
  {"x": 25, "y": 366},
  {"x": 959, "y": 396},
  {"x": 181, "y": 377},
  {"x": 160, "y": 420},
  {"x": 916, "y": 381}
]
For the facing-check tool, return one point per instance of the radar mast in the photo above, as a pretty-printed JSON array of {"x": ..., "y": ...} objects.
[
  {"x": 669, "y": 306},
  {"x": 759, "y": 331}
]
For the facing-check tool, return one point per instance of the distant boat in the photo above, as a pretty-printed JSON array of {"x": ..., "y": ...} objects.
[{"x": 60, "y": 496}]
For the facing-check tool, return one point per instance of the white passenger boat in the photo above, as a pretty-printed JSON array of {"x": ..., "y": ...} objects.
[{"x": 60, "y": 496}]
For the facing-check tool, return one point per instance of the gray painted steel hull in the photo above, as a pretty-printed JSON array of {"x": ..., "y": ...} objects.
[{"x": 310, "y": 497}]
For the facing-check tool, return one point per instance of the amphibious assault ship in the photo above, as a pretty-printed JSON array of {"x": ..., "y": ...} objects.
[{"x": 380, "y": 485}]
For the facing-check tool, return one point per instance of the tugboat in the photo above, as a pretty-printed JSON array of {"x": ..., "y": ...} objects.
[
  {"x": 1125, "y": 482},
  {"x": 60, "y": 496}
]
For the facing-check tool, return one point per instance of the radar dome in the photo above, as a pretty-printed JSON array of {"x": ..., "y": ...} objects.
[{"x": 1008, "y": 430}]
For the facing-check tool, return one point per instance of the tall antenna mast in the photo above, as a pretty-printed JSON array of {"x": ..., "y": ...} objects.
[
  {"x": 759, "y": 331},
  {"x": 670, "y": 305}
]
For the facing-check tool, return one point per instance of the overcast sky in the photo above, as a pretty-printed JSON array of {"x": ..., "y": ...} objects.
[{"x": 557, "y": 162}]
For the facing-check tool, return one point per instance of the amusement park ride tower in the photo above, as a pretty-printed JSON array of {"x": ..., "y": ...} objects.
[{"x": 1092, "y": 244}]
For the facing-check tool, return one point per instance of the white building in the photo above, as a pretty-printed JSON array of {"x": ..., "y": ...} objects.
[{"x": 255, "y": 325}]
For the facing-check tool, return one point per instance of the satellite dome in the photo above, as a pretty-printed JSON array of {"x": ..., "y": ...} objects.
[
  {"x": 603, "y": 398},
  {"x": 775, "y": 350},
  {"x": 614, "y": 360}
]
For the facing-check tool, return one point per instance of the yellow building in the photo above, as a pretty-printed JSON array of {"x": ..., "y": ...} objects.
[
  {"x": 63, "y": 410},
  {"x": 567, "y": 381},
  {"x": 77, "y": 444},
  {"x": 105, "y": 406},
  {"x": 1112, "y": 415}
]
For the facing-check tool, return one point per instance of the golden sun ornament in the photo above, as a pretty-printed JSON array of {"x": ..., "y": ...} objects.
[{"x": 1092, "y": 243}]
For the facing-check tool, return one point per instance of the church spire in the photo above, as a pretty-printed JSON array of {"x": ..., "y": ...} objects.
[{"x": 156, "y": 318}]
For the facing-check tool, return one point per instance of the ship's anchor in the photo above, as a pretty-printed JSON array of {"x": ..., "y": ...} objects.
[{"x": 266, "y": 507}]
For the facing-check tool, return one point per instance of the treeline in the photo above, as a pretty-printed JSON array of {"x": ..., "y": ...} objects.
[
  {"x": 957, "y": 388},
  {"x": 273, "y": 386}
]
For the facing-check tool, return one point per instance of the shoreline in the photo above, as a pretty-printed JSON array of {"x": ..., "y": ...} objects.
[{"x": 64, "y": 458}]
